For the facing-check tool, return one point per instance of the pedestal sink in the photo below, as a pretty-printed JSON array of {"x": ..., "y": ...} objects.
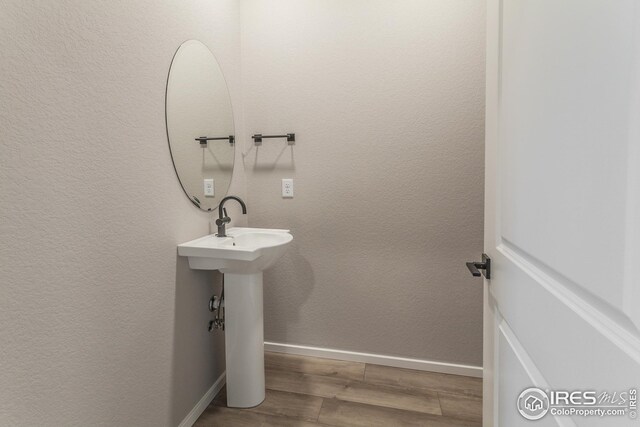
[{"x": 242, "y": 256}]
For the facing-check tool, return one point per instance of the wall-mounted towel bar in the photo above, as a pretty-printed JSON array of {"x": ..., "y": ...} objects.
[
  {"x": 257, "y": 138},
  {"x": 203, "y": 139}
]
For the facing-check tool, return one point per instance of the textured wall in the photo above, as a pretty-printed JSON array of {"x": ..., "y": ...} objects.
[
  {"x": 386, "y": 99},
  {"x": 100, "y": 322}
]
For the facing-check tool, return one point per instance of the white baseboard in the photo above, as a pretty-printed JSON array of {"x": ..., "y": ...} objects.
[
  {"x": 197, "y": 410},
  {"x": 377, "y": 359}
]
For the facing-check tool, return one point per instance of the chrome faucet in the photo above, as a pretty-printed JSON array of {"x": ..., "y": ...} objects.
[{"x": 223, "y": 218}]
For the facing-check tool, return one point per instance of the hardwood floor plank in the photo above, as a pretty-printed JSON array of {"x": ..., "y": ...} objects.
[
  {"x": 459, "y": 406},
  {"x": 336, "y": 412},
  {"x": 354, "y": 391},
  {"x": 303, "y": 383},
  {"x": 219, "y": 416},
  {"x": 281, "y": 403},
  {"x": 314, "y": 365},
  {"x": 412, "y": 379}
]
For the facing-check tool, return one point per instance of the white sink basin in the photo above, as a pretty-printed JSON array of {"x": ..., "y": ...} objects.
[{"x": 244, "y": 251}]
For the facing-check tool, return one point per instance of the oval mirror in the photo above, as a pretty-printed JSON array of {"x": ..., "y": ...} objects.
[{"x": 200, "y": 125}]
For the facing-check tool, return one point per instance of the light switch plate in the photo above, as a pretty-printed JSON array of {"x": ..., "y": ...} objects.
[
  {"x": 287, "y": 188},
  {"x": 209, "y": 188}
]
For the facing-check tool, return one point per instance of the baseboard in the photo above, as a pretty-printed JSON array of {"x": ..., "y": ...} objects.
[
  {"x": 378, "y": 359},
  {"x": 197, "y": 410}
]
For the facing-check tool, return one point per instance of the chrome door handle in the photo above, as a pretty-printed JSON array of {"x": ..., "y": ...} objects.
[{"x": 475, "y": 267}]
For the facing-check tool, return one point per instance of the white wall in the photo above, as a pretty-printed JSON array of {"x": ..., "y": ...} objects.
[
  {"x": 100, "y": 322},
  {"x": 387, "y": 102}
]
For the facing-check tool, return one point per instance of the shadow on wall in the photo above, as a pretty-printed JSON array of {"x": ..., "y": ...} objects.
[
  {"x": 267, "y": 153},
  {"x": 279, "y": 296},
  {"x": 198, "y": 355}
]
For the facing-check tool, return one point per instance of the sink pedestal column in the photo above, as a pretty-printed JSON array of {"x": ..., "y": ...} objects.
[{"x": 244, "y": 339}]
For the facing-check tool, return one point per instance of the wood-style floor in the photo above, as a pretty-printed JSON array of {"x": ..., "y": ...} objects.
[{"x": 312, "y": 392}]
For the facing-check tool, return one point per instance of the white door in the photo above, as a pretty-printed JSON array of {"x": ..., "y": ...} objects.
[{"x": 562, "y": 217}]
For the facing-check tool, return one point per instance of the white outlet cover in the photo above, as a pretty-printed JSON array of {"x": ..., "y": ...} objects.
[
  {"x": 209, "y": 188},
  {"x": 287, "y": 188}
]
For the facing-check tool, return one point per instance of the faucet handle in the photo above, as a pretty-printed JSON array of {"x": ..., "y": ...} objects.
[
  {"x": 225, "y": 212},
  {"x": 221, "y": 221}
]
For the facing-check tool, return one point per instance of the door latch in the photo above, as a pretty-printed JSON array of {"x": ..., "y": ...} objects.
[{"x": 475, "y": 267}]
